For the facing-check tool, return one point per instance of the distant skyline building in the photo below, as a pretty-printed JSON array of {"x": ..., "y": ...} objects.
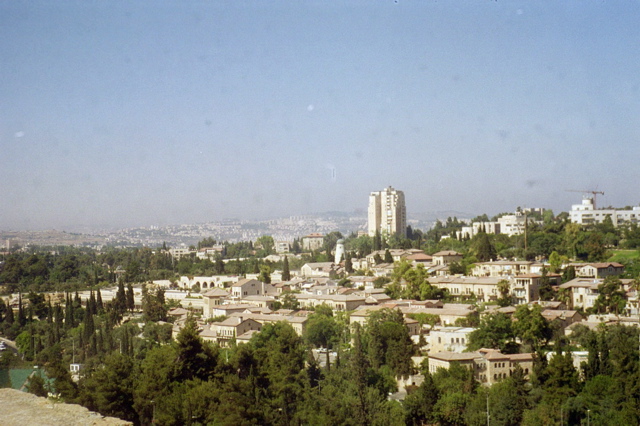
[{"x": 387, "y": 212}]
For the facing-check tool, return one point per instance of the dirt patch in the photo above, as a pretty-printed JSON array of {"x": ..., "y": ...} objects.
[{"x": 21, "y": 408}]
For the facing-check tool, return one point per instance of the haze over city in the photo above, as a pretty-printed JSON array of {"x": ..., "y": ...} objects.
[{"x": 126, "y": 114}]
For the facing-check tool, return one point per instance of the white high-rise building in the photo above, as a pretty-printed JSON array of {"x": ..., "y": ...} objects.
[{"x": 387, "y": 213}]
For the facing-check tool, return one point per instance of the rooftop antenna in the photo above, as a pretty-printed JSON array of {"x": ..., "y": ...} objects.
[{"x": 587, "y": 191}]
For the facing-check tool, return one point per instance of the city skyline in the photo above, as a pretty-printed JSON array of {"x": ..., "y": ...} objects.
[{"x": 124, "y": 114}]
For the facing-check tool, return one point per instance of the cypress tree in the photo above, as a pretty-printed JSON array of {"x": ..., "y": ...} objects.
[
  {"x": 78, "y": 312},
  {"x": 387, "y": 256},
  {"x": 219, "y": 265},
  {"x": 286, "y": 274},
  {"x": 348, "y": 265},
  {"x": 93, "y": 345},
  {"x": 9, "y": 318},
  {"x": 107, "y": 338},
  {"x": 58, "y": 316},
  {"x": 99, "y": 305},
  {"x": 121, "y": 300},
  {"x": 99, "y": 342},
  {"x": 21, "y": 318},
  {"x": 91, "y": 304},
  {"x": 68, "y": 313},
  {"x": 89, "y": 326},
  {"x": 49, "y": 313},
  {"x": 130, "y": 297}
]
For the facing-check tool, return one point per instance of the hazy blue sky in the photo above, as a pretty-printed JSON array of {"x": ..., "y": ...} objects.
[{"x": 128, "y": 113}]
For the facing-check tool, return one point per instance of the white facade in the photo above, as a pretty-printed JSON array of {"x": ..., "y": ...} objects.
[
  {"x": 587, "y": 214},
  {"x": 387, "y": 213},
  {"x": 584, "y": 292},
  {"x": 509, "y": 224},
  {"x": 247, "y": 287},
  {"x": 450, "y": 339},
  {"x": 339, "y": 251}
]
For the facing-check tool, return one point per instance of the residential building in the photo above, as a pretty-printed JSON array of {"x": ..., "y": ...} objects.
[
  {"x": 563, "y": 316},
  {"x": 509, "y": 224},
  {"x": 583, "y": 292},
  {"x": 211, "y": 299},
  {"x": 179, "y": 252},
  {"x": 387, "y": 213},
  {"x": 210, "y": 252},
  {"x": 225, "y": 331},
  {"x": 282, "y": 246},
  {"x": 312, "y": 242},
  {"x": 319, "y": 269},
  {"x": 523, "y": 288},
  {"x": 247, "y": 287},
  {"x": 489, "y": 366},
  {"x": 599, "y": 270},
  {"x": 298, "y": 322},
  {"x": 587, "y": 214},
  {"x": 449, "y": 339},
  {"x": 363, "y": 281},
  {"x": 396, "y": 254},
  {"x": 337, "y": 302},
  {"x": 501, "y": 268},
  {"x": 446, "y": 257}
]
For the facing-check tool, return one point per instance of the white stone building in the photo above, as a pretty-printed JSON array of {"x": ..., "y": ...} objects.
[
  {"x": 387, "y": 213},
  {"x": 587, "y": 214}
]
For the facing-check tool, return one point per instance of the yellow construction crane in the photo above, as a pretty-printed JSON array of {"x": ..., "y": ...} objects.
[{"x": 594, "y": 193}]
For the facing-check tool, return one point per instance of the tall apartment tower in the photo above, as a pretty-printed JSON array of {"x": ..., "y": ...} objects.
[{"x": 387, "y": 213}]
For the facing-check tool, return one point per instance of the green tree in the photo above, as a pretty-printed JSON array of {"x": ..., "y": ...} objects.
[
  {"x": 280, "y": 354},
  {"x": 36, "y": 385},
  {"x": 159, "y": 373},
  {"x": 509, "y": 399},
  {"x": 266, "y": 244},
  {"x": 420, "y": 404},
  {"x": 484, "y": 249},
  {"x": 129, "y": 299},
  {"x": 495, "y": 331},
  {"x": 504, "y": 288},
  {"x": 265, "y": 274},
  {"x": 555, "y": 262},
  {"x": 545, "y": 289},
  {"x": 531, "y": 327},
  {"x": 109, "y": 388},
  {"x": 389, "y": 342},
  {"x": 286, "y": 273},
  {"x": 611, "y": 296},
  {"x": 348, "y": 264},
  {"x": 322, "y": 331},
  {"x": 194, "y": 358}
]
